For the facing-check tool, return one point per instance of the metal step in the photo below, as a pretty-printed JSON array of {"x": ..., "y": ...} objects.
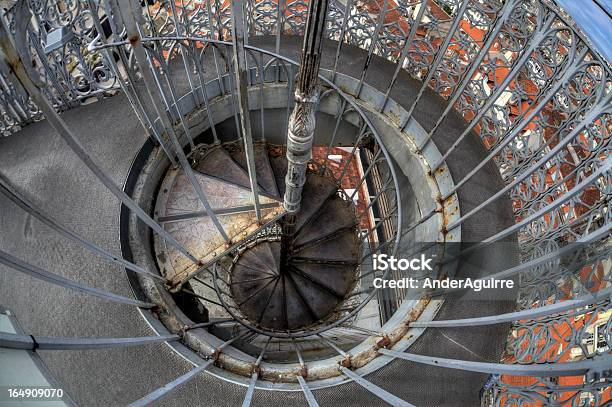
[
  {"x": 343, "y": 249},
  {"x": 278, "y": 162},
  {"x": 195, "y": 228},
  {"x": 216, "y": 162},
  {"x": 334, "y": 216},
  {"x": 338, "y": 279},
  {"x": 298, "y": 314},
  {"x": 319, "y": 302},
  {"x": 317, "y": 190},
  {"x": 265, "y": 175}
]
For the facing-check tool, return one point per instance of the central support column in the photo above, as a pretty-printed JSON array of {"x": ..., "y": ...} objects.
[{"x": 302, "y": 120}]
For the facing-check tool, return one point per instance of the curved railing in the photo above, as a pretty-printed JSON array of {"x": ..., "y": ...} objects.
[{"x": 525, "y": 80}]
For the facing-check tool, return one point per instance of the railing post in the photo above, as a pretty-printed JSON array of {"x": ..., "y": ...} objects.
[
  {"x": 240, "y": 71},
  {"x": 301, "y": 127}
]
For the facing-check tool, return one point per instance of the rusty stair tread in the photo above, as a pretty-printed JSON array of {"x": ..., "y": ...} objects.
[
  {"x": 217, "y": 163},
  {"x": 343, "y": 248},
  {"x": 255, "y": 262},
  {"x": 318, "y": 300},
  {"x": 334, "y": 216},
  {"x": 317, "y": 190},
  {"x": 273, "y": 315},
  {"x": 265, "y": 176},
  {"x": 278, "y": 163},
  {"x": 296, "y": 310},
  {"x": 338, "y": 279},
  {"x": 265, "y": 254}
]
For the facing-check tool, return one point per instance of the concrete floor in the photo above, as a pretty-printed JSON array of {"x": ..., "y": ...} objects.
[{"x": 42, "y": 166}]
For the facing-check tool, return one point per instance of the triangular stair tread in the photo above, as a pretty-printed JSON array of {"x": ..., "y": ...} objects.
[
  {"x": 243, "y": 274},
  {"x": 219, "y": 194},
  {"x": 335, "y": 215},
  {"x": 254, "y": 301},
  {"x": 265, "y": 175},
  {"x": 274, "y": 313},
  {"x": 338, "y": 279},
  {"x": 218, "y": 163},
  {"x": 343, "y": 248},
  {"x": 199, "y": 235},
  {"x": 251, "y": 258},
  {"x": 278, "y": 162},
  {"x": 317, "y": 190},
  {"x": 266, "y": 256},
  {"x": 244, "y": 270},
  {"x": 274, "y": 248},
  {"x": 320, "y": 301},
  {"x": 297, "y": 311}
]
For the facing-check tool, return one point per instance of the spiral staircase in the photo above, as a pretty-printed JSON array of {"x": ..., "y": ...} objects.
[{"x": 146, "y": 186}]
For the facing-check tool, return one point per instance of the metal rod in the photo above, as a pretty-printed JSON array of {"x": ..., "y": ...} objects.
[
  {"x": 578, "y": 188},
  {"x": 167, "y": 388},
  {"x": 310, "y": 399},
  {"x": 373, "y": 41},
  {"x": 532, "y": 313},
  {"x": 8, "y": 190},
  {"x": 210, "y": 323},
  {"x": 474, "y": 65},
  {"x": 249, "y": 394},
  {"x": 591, "y": 116},
  {"x": 333, "y": 346},
  {"x": 211, "y": 30},
  {"x": 35, "y": 92},
  {"x": 298, "y": 353},
  {"x": 496, "y": 93},
  {"x": 190, "y": 292},
  {"x": 174, "y": 99},
  {"x": 127, "y": 88},
  {"x": 404, "y": 54},
  {"x": 241, "y": 72},
  {"x": 437, "y": 60},
  {"x": 203, "y": 87},
  {"x": 30, "y": 342},
  {"x": 600, "y": 233},
  {"x": 333, "y": 137},
  {"x": 537, "y": 369},
  {"x": 517, "y": 129},
  {"x": 131, "y": 26},
  {"x": 179, "y": 28},
  {"x": 347, "y": 12},
  {"x": 374, "y": 389},
  {"x": 219, "y": 211},
  {"x": 374, "y": 163},
  {"x": 37, "y": 272}
]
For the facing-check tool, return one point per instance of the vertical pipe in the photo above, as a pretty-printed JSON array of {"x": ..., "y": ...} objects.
[{"x": 301, "y": 127}]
